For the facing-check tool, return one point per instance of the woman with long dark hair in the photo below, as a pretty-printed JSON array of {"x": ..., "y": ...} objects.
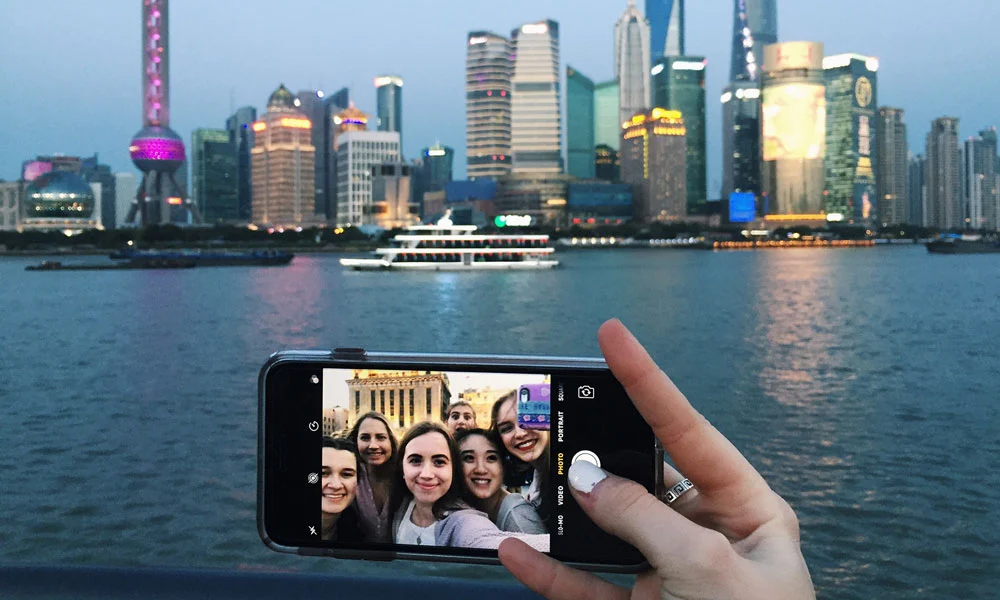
[
  {"x": 427, "y": 504},
  {"x": 339, "y": 486},
  {"x": 527, "y": 453},
  {"x": 482, "y": 463},
  {"x": 377, "y": 448}
]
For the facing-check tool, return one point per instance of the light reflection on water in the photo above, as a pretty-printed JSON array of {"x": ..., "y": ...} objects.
[{"x": 862, "y": 383}]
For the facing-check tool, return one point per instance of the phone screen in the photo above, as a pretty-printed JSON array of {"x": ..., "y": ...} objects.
[{"x": 401, "y": 459}]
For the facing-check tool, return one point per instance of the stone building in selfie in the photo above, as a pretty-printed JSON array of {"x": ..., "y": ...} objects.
[
  {"x": 482, "y": 401},
  {"x": 404, "y": 397}
]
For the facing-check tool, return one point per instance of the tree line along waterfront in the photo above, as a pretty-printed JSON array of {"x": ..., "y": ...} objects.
[{"x": 353, "y": 239}]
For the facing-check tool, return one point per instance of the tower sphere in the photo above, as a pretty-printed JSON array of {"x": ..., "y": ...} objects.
[{"x": 158, "y": 149}]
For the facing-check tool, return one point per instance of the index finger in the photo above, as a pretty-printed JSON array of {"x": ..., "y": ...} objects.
[{"x": 698, "y": 449}]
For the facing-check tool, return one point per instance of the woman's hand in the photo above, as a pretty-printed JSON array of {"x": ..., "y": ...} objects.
[{"x": 729, "y": 537}]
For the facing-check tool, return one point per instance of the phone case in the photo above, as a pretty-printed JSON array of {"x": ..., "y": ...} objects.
[{"x": 348, "y": 356}]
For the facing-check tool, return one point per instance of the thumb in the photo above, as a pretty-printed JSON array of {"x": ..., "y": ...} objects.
[{"x": 626, "y": 510}]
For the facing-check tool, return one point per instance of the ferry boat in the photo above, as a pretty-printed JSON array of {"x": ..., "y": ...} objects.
[
  {"x": 448, "y": 247},
  {"x": 966, "y": 244}
]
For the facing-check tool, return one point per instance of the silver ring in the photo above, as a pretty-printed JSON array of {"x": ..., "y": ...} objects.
[{"x": 678, "y": 490}]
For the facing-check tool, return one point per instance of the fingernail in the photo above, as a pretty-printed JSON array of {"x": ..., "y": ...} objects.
[{"x": 583, "y": 476}]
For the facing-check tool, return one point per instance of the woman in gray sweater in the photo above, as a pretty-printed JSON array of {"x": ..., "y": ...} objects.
[
  {"x": 482, "y": 463},
  {"x": 427, "y": 507}
]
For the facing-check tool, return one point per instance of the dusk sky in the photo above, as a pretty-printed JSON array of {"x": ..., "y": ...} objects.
[{"x": 70, "y": 83}]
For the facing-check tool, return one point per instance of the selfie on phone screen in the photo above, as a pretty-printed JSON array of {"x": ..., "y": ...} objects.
[{"x": 409, "y": 459}]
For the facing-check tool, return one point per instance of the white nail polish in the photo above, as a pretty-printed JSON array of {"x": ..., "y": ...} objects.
[{"x": 583, "y": 476}]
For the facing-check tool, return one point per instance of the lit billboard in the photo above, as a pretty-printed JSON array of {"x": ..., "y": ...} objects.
[
  {"x": 794, "y": 121},
  {"x": 33, "y": 169},
  {"x": 742, "y": 207}
]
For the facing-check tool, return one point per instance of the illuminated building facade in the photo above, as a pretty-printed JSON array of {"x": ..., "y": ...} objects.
[
  {"x": 240, "y": 127},
  {"x": 438, "y": 167},
  {"x": 607, "y": 164},
  {"x": 654, "y": 163},
  {"x": 979, "y": 181},
  {"x": 632, "y": 63},
  {"x": 357, "y": 153},
  {"x": 679, "y": 84},
  {"x": 488, "y": 71},
  {"x": 283, "y": 158},
  {"x": 540, "y": 195},
  {"x": 536, "y": 109},
  {"x": 579, "y": 124},
  {"x": 389, "y": 101},
  {"x": 347, "y": 120},
  {"x": 851, "y": 147},
  {"x": 607, "y": 121},
  {"x": 156, "y": 150},
  {"x": 793, "y": 132},
  {"x": 391, "y": 196},
  {"x": 741, "y": 138},
  {"x": 666, "y": 25},
  {"x": 59, "y": 200},
  {"x": 891, "y": 170},
  {"x": 214, "y": 175},
  {"x": 404, "y": 397},
  {"x": 943, "y": 170}
]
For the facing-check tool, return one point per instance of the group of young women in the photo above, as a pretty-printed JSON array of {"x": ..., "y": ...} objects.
[{"x": 450, "y": 484}]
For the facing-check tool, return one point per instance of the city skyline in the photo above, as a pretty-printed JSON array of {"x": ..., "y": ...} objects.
[{"x": 89, "y": 118}]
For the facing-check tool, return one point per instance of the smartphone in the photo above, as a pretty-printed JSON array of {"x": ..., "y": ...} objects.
[
  {"x": 371, "y": 498},
  {"x": 534, "y": 406}
]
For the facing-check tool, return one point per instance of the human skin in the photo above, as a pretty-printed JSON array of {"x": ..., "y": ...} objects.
[{"x": 730, "y": 537}]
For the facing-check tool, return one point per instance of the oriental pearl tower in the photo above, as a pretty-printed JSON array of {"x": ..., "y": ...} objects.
[{"x": 156, "y": 149}]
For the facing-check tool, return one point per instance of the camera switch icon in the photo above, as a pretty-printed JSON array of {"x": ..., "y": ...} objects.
[{"x": 586, "y": 392}]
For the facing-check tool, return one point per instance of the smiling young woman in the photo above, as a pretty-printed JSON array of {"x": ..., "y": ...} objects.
[
  {"x": 427, "y": 504},
  {"x": 523, "y": 447},
  {"x": 339, "y": 488},
  {"x": 377, "y": 448},
  {"x": 482, "y": 463}
]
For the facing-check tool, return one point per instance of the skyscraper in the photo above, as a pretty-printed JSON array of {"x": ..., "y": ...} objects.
[
  {"x": 851, "y": 101},
  {"x": 579, "y": 124},
  {"x": 607, "y": 164},
  {"x": 632, "y": 62},
  {"x": 944, "y": 186},
  {"x": 741, "y": 138},
  {"x": 283, "y": 157},
  {"x": 214, "y": 174},
  {"x": 333, "y": 105},
  {"x": 357, "y": 153},
  {"x": 607, "y": 115},
  {"x": 793, "y": 109},
  {"x": 438, "y": 165},
  {"x": 488, "y": 72},
  {"x": 666, "y": 23},
  {"x": 312, "y": 103},
  {"x": 536, "y": 109},
  {"x": 653, "y": 158},
  {"x": 679, "y": 84},
  {"x": 755, "y": 25},
  {"x": 979, "y": 181},
  {"x": 916, "y": 189},
  {"x": 240, "y": 127},
  {"x": 892, "y": 168},
  {"x": 389, "y": 98}
]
